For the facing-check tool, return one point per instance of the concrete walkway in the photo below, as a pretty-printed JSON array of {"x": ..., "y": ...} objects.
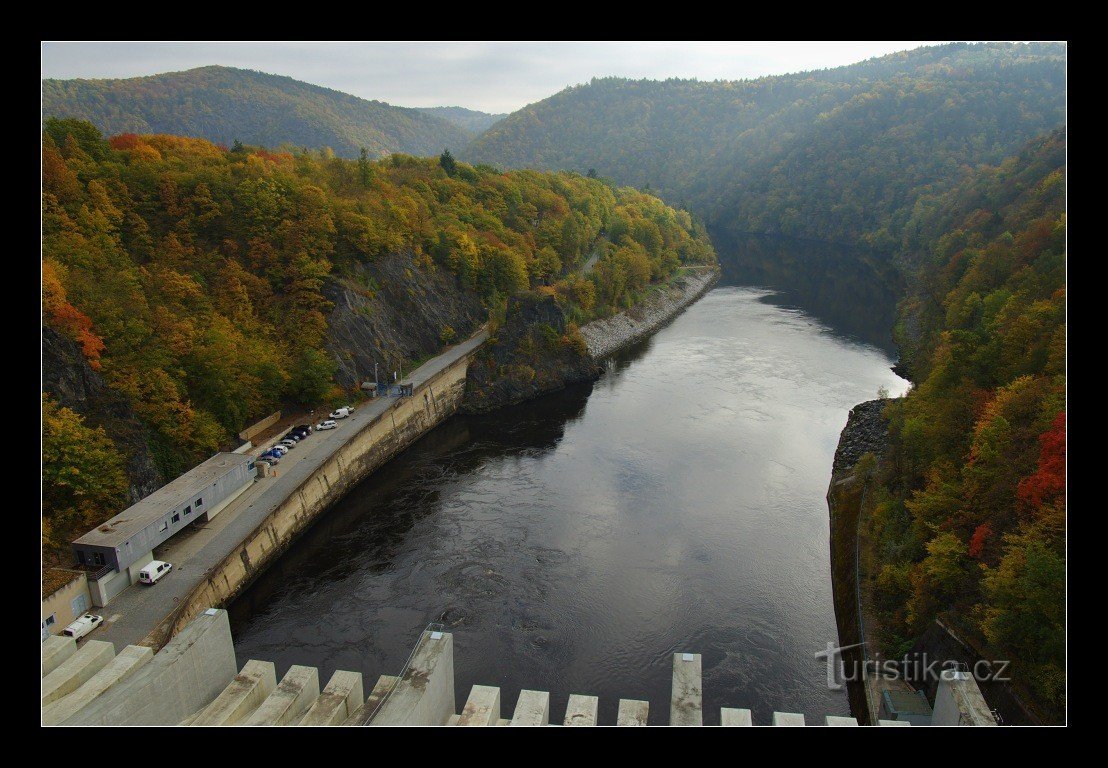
[{"x": 131, "y": 616}]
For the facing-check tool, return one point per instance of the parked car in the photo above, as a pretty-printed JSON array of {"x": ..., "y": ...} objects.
[
  {"x": 279, "y": 451},
  {"x": 288, "y": 441},
  {"x": 329, "y": 424},
  {"x": 270, "y": 458},
  {"x": 154, "y": 570},
  {"x": 303, "y": 428},
  {"x": 294, "y": 435},
  {"x": 83, "y": 626},
  {"x": 341, "y": 413}
]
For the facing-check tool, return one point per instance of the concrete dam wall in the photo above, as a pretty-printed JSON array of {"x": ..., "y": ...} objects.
[{"x": 378, "y": 441}]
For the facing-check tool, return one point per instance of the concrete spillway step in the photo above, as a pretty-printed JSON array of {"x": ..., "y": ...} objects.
[
  {"x": 288, "y": 702},
  {"x": 342, "y": 696},
  {"x": 581, "y": 710},
  {"x": 686, "y": 706},
  {"x": 532, "y": 708},
  {"x": 481, "y": 708},
  {"x": 75, "y": 671},
  {"x": 788, "y": 719},
  {"x": 735, "y": 717},
  {"x": 362, "y": 714},
  {"x": 241, "y": 697},
  {"x": 55, "y": 650},
  {"x": 129, "y": 660},
  {"x": 632, "y": 712}
]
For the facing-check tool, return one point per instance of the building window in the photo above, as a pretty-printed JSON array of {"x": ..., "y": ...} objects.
[
  {"x": 199, "y": 502},
  {"x": 162, "y": 526},
  {"x": 188, "y": 510},
  {"x": 97, "y": 558},
  {"x": 50, "y": 620},
  {"x": 176, "y": 518}
]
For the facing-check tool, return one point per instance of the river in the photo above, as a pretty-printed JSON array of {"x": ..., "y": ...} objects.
[{"x": 574, "y": 543}]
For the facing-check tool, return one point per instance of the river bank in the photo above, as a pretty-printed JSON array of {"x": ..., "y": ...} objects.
[{"x": 607, "y": 336}]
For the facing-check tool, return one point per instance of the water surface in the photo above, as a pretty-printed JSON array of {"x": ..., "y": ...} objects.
[{"x": 574, "y": 543}]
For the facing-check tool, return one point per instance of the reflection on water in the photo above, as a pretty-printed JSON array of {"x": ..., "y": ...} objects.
[
  {"x": 852, "y": 290},
  {"x": 574, "y": 543}
]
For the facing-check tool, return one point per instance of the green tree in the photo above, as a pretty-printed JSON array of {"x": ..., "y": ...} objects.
[{"x": 448, "y": 163}]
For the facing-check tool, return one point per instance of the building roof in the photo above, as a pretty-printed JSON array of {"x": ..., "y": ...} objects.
[
  {"x": 907, "y": 702},
  {"x": 54, "y": 579},
  {"x": 154, "y": 507}
]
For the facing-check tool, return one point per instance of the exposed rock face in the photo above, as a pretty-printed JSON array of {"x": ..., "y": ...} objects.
[
  {"x": 535, "y": 351},
  {"x": 68, "y": 378},
  {"x": 392, "y": 311},
  {"x": 611, "y": 334},
  {"x": 866, "y": 430}
]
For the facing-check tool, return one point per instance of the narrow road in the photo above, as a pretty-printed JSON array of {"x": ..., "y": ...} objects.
[{"x": 132, "y": 615}]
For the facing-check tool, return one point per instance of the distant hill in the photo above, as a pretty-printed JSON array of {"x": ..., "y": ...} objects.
[
  {"x": 838, "y": 154},
  {"x": 469, "y": 119},
  {"x": 223, "y": 104}
]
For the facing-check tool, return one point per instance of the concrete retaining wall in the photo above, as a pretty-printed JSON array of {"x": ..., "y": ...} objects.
[
  {"x": 376, "y": 443},
  {"x": 260, "y": 426}
]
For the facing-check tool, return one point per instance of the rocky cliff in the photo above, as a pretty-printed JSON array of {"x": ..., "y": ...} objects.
[
  {"x": 866, "y": 431},
  {"x": 533, "y": 352},
  {"x": 394, "y": 312},
  {"x": 68, "y": 378}
]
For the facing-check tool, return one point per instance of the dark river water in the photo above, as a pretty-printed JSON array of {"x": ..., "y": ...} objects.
[{"x": 574, "y": 543}]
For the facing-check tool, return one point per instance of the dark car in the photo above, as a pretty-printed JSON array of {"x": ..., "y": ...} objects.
[{"x": 303, "y": 428}]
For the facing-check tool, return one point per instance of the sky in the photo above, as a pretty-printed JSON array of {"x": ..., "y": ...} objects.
[{"x": 489, "y": 76}]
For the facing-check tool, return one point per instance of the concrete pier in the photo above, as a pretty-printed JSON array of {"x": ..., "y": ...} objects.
[
  {"x": 72, "y": 673},
  {"x": 288, "y": 702},
  {"x": 788, "y": 719},
  {"x": 362, "y": 714},
  {"x": 958, "y": 701},
  {"x": 632, "y": 712},
  {"x": 424, "y": 695},
  {"x": 55, "y": 650},
  {"x": 735, "y": 717},
  {"x": 532, "y": 708},
  {"x": 482, "y": 707},
  {"x": 183, "y": 677},
  {"x": 581, "y": 710},
  {"x": 242, "y": 695},
  {"x": 343, "y": 695},
  {"x": 129, "y": 660},
  {"x": 832, "y": 720},
  {"x": 686, "y": 705}
]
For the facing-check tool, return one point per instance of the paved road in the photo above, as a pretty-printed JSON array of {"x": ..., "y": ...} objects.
[{"x": 138, "y": 609}]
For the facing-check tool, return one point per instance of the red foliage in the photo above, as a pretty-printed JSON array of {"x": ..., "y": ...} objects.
[
  {"x": 977, "y": 541},
  {"x": 124, "y": 141},
  {"x": 1049, "y": 480}
]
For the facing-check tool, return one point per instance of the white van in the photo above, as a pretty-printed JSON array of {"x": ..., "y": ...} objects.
[
  {"x": 83, "y": 626},
  {"x": 153, "y": 571},
  {"x": 341, "y": 413}
]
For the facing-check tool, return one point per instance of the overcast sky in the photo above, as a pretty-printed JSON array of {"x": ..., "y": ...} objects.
[{"x": 494, "y": 77}]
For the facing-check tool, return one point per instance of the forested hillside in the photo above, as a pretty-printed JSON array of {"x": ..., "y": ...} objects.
[
  {"x": 970, "y": 516},
  {"x": 195, "y": 279},
  {"x": 224, "y": 105},
  {"x": 837, "y": 155},
  {"x": 471, "y": 120}
]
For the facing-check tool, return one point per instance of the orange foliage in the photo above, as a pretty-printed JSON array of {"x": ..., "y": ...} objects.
[{"x": 67, "y": 319}]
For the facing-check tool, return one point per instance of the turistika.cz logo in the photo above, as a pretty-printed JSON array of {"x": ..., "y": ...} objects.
[{"x": 917, "y": 669}]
